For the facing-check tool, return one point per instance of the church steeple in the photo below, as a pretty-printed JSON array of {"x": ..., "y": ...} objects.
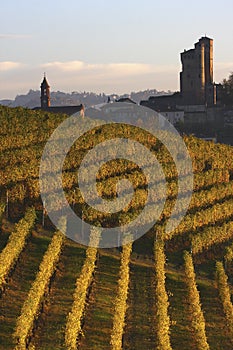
[{"x": 45, "y": 94}]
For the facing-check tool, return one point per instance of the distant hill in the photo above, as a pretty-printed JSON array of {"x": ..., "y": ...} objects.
[{"x": 58, "y": 98}]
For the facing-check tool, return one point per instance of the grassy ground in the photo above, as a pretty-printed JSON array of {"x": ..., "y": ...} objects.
[
  {"x": 180, "y": 333},
  {"x": 216, "y": 329},
  {"x": 99, "y": 313},
  {"x": 140, "y": 317}
]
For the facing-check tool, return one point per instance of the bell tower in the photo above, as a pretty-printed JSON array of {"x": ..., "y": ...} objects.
[{"x": 45, "y": 94}]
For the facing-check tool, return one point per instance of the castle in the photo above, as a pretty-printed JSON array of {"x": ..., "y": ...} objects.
[
  {"x": 196, "y": 78},
  {"x": 196, "y": 81}
]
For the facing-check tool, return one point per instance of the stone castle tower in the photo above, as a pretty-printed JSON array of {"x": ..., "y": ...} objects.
[
  {"x": 196, "y": 78},
  {"x": 45, "y": 94}
]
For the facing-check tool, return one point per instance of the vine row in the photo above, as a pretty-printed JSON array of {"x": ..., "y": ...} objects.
[
  {"x": 31, "y": 307},
  {"x": 75, "y": 317},
  {"x": 15, "y": 245}
]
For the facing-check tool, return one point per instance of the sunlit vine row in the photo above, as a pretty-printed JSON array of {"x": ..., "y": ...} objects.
[
  {"x": 197, "y": 319},
  {"x": 15, "y": 245},
  {"x": 75, "y": 316},
  {"x": 209, "y": 216},
  {"x": 210, "y": 236},
  {"x": 229, "y": 254},
  {"x": 121, "y": 299},
  {"x": 225, "y": 295},
  {"x": 31, "y": 307},
  {"x": 161, "y": 305},
  {"x": 2, "y": 210}
]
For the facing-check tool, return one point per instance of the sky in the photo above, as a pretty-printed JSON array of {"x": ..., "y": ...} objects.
[{"x": 107, "y": 46}]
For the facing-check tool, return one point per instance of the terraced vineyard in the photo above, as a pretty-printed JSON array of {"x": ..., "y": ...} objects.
[{"x": 167, "y": 291}]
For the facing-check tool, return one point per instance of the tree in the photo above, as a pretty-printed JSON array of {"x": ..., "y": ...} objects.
[{"x": 227, "y": 90}]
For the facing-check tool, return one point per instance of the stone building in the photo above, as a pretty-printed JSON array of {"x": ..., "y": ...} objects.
[
  {"x": 44, "y": 94},
  {"x": 174, "y": 116},
  {"x": 46, "y": 104},
  {"x": 197, "y": 87},
  {"x": 196, "y": 79}
]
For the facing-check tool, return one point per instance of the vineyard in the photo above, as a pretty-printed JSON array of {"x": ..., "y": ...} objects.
[{"x": 166, "y": 290}]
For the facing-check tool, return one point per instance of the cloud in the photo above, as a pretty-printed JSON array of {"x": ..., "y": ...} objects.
[
  {"x": 98, "y": 69},
  {"x": 65, "y": 66},
  {"x": 164, "y": 76},
  {"x": 115, "y": 77},
  {"x": 9, "y": 65},
  {"x": 79, "y": 76},
  {"x": 109, "y": 68},
  {"x": 224, "y": 65},
  {"x": 14, "y": 36}
]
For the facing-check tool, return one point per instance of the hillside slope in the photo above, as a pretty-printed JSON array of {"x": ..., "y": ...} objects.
[{"x": 157, "y": 290}]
